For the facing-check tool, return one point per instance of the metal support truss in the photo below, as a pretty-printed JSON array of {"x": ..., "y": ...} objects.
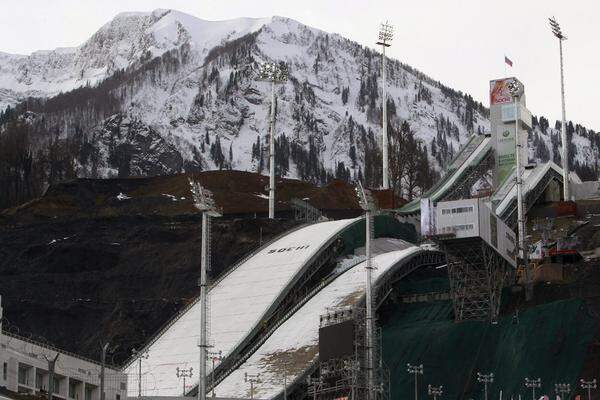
[
  {"x": 304, "y": 211},
  {"x": 477, "y": 275},
  {"x": 462, "y": 189}
]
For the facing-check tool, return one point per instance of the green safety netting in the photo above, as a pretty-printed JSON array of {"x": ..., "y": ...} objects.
[
  {"x": 549, "y": 341},
  {"x": 384, "y": 226}
]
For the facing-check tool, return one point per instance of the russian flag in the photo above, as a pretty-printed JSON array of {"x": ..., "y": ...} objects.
[{"x": 508, "y": 61}]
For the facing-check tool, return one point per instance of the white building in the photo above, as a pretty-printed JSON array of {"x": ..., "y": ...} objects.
[{"x": 24, "y": 369}]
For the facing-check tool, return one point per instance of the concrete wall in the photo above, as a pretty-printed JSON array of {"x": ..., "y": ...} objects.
[{"x": 24, "y": 369}]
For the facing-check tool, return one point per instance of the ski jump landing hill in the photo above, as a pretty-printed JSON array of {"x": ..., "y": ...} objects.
[
  {"x": 474, "y": 161},
  {"x": 268, "y": 305}
]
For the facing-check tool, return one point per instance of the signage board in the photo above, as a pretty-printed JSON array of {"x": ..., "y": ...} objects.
[{"x": 499, "y": 93}]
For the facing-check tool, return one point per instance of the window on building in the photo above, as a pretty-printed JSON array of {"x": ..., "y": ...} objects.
[
  {"x": 88, "y": 393},
  {"x": 118, "y": 397},
  {"x": 23, "y": 375},
  {"x": 5, "y": 371},
  {"x": 73, "y": 389},
  {"x": 56, "y": 388}
]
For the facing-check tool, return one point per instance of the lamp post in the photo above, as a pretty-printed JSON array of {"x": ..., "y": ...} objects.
[
  {"x": 533, "y": 384},
  {"x": 516, "y": 91},
  {"x": 386, "y": 33},
  {"x": 435, "y": 391},
  {"x": 589, "y": 385},
  {"x": 486, "y": 379},
  {"x": 562, "y": 389},
  {"x": 366, "y": 202},
  {"x": 184, "y": 373},
  {"x": 274, "y": 73},
  {"x": 252, "y": 379},
  {"x": 140, "y": 355},
  {"x": 416, "y": 370},
  {"x": 203, "y": 201},
  {"x": 563, "y": 132},
  {"x": 214, "y": 357}
]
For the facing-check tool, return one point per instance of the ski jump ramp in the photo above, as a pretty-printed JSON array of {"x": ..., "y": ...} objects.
[
  {"x": 237, "y": 304},
  {"x": 293, "y": 348}
]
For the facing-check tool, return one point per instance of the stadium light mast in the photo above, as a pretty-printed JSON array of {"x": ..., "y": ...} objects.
[
  {"x": 533, "y": 384},
  {"x": 589, "y": 385},
  {"x": 563, "y": 131},
  {"x": 204, "y": 202},
  {"x": 366, "y": 202},
  {"x": 274, "y": 73},
  {"x": 416, "y": 370},
  {"x": 386, "y": 33},
  {"x": 486, "y": 379},
  {"x": 516, "y": 91}
]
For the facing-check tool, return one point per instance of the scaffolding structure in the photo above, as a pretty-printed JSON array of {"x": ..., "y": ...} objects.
[
  {"x": 304, "y": 211},
  {"x": 477, "y": 275},
  {"x": 348, "y": 376}
]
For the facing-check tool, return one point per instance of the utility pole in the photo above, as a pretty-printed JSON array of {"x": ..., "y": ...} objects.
[
  {"x": 486, "y": 379},
  {"x": 589, "y": 385},
  {"x": 416, "y": 370},
  {"x": 184, "y": 373},
  {"x": 252, "y": 378},
  {"x": 214, "y": 357},
  {"x": 435, "y": 391},
  {"x": 365, "y": 199},
  {"x": 533, "y": 384},
  {"x": 386, "y": 33},
  {"x": 51, "y": 367},
  {"x": 204, "y": 202},
  {"x": 274, "y": 73},
  {"x": 516, "y": 91},
  {"x": 562, "y": 389},
  {"x": 563, "y": 132},
  {"x": 102, "y": 366},
  {"x": 140, "y": 355}
]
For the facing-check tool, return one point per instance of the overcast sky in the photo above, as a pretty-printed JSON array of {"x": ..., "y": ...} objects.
[{"x": 460, "y": 43}]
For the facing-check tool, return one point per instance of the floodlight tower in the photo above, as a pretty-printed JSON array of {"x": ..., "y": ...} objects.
[
  {"x": 252, "y": 379},
  {"x": 366, "y": 202},
  {"x": 516, "y": 91},
  {"x": 386, "y": 33},
  {"x": 533, "y": 384},
  {"x": 562, "y": 389},
  {"x": 416, "y": 370},
  {"x": 435, "y": 391},
  {"x": 203, "y": 201},
  {"x": 184, "y": 373},
  {"x": 274, "y": 73},
  {"x": 486, "y": 379},
  {"x": 589, "y": 385},
  {"x": 563, "y": 132}
]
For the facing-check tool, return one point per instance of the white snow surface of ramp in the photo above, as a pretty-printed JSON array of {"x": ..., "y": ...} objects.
[
  {"x": 237, "y": 304},
  {"x": 294, "y": 346}
]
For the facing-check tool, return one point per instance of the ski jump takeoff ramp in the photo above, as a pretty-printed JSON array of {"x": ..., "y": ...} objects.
[
  {"x": 237, "y": 304},
  {"x": 293, "y": 348}
]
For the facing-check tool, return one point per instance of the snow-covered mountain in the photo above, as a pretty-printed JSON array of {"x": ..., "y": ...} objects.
[{"x": 164, "y": 92}]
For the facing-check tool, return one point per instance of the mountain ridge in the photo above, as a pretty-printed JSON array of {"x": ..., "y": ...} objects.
[{"x": 192, "y": 101}]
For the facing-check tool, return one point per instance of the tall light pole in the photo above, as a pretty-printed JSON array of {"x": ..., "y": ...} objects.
[
  {"x": 274, "y": 73},
  {"x": 203, "y": 201},
  {"x": 533, "y": 384},
  {"x": 252, "y": 379},
  {"x": 366, "y": 202},
  {"x": 102, "y": 366},
  {"x": 563, "y": 132},
  {"x": 516, "y": 91},
  {"x": 315, "y": 383},
  {"x": 184, "y": 373},
  {"x": 562, "y": 389},
  {"x": 416, "y": 370},
  {"x": 486, "y": 379},
  {"x": 589, "y": 385},
  {"x": 140, "y": 355},
  {"x": 435, "y": 391},
  {"x": 386, "y": 33}
]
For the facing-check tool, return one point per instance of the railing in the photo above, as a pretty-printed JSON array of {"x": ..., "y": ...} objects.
[{"x": 58, "y": 350}]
